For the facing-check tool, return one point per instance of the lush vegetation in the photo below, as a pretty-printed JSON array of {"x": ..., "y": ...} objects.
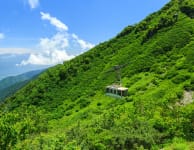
[
  {"x": 66, "y": 108},
  {"x": 10, "y": 85}
]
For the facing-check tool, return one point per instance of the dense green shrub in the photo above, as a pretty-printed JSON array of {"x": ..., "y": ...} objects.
[{"x": 180, "y": 78}]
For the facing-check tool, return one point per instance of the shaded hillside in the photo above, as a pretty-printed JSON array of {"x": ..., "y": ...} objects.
[
  {"x": 66, "y": 107},
  {"x": 10, "y": 85}
]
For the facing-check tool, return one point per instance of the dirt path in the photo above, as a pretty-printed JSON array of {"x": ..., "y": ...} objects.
[{"x": 187, "y": 98}]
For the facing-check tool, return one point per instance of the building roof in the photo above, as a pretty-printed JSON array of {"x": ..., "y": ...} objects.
[{"x": 118, "y": 87}]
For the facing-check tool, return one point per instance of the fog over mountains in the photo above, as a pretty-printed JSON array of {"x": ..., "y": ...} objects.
[{"x": 8, "y": 65}]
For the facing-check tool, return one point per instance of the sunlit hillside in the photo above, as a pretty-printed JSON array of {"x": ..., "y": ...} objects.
[{"x": 66, "y": 106}]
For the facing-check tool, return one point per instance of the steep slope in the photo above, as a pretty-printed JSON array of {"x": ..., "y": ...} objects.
[
  {"x": 10, "y": 85},
  {"x": 8, "y": 91},
  {"x": 66, "y": 108}
]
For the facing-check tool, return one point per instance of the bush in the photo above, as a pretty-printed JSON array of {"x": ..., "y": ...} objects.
[
  {"x": 171, "y": 74},
  {"x": 68, "y": 113},
  {"x": 180, "y": 78},
  {"x": 83, "y": 102},
  {"x": 178, "y": 144},
  {"x": 189, "y": 86},
  {"x": 99, "y": 146},
  {"x": 99, "y": 104},
  {"x": 189, "y": 11}
]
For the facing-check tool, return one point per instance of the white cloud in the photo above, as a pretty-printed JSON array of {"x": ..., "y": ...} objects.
[
  {"x": 33, "y": 3},
  {"x": 18, "y": 51},
  {"x": 60, "y": 26},
  {"x": 58, "y": 41},
  {"x": 51, "y": 51},
  {"x": 54, "y": 21},
  {"x": 83, "y": 44},
  {"x": 62, "y": 46},
  {"x": 47, "y": 58},
  {"x": 2, "y": 36}
]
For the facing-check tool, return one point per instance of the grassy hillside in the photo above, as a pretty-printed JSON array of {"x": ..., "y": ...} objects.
[
  {"x": 66, "y": 107},
  {"x": 10, "y": 85}
]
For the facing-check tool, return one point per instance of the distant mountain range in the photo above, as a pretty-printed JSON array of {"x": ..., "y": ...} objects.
[{"x": 10, "y": 85}]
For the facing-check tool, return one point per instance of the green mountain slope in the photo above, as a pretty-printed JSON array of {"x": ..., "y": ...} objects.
[
  {"x": 7, "y": 92},
  {"x": 66, "y": 107},
  {"x": 10, "y": 85}
]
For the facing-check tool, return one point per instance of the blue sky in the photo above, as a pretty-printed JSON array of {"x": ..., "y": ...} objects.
[{"x": 38, "y": 33}]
